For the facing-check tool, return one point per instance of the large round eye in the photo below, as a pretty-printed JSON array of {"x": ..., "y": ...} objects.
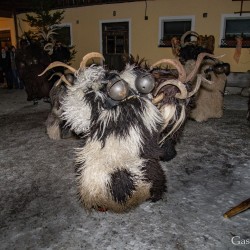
[
  {"x": 218, "y": 68},
  {"x": 227, "y": 69},
  {"x": 117, "y": 89},
  {"x": 145, "y": 83},
  {"x": 69, "y": 77}
]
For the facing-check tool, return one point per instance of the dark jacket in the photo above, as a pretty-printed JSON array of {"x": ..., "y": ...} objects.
[{"x": 5, "y": 61}]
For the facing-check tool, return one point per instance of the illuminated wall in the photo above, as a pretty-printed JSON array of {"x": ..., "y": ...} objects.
[
  {"x": 8, "y": 24},
  {"x": 85, "y": 22}
]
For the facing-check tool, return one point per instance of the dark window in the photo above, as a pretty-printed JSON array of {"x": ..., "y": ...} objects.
[
  {"x": 240, "y": 27},
  {"x": 174, "y": 29},
  {"x": 177, "y": 28},
  {"x": 63, "y": 34},
  {"x": 5, "y": 38},
  {"x": 236, "y": 28}
]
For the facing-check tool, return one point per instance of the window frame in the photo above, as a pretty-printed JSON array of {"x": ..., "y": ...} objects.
[
  {"x": 224, "y": 18},
  {"x": 173, "y": 19}
]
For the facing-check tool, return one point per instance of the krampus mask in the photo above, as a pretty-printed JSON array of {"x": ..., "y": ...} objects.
[{"x": 117, "y": 165}]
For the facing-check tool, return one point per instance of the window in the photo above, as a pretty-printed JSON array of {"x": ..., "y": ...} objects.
[
  {"x": 63, "y": 34},
  {"x": 234, "y": 26},
  {"x": 173, "y": 26},
  {"x": 5, "y": 38}
]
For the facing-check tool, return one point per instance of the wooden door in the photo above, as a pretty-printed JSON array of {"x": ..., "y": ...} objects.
[{"x": 115, "y": 37}]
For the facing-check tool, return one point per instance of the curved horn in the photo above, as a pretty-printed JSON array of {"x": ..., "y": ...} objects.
[
  {"x": 185, "y": 35},
  {"x": 196, "y": 88},
  {"x": 58, "y": 64},
  {"x": 176, "y": 63},
  {"x": 49, "y": 47},
  {"x": 89, "y": 56},
  {"x": 63, "y": 79},
  {"x": 200, "y": 57},
  {"x": 158, "y": 98},
  {"x": 178, "y": 84},
  {"x": 200, "y": 78},
  {"x": 56, "y": 74}
]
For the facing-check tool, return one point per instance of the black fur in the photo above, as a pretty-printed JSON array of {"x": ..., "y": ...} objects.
[
  {"x": 155, "y": 174},
  {"x": 129, "y": 109},
  {"x": 78, "y": 169},
  {"x": 151, "y": 148},
  {"x": 191, "y": 52},
  {"x": 122, "y": 185},
  {"x": 169, "y": 150}
]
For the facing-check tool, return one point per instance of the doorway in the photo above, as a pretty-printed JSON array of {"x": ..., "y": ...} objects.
[{"x": 115, "y": 43}]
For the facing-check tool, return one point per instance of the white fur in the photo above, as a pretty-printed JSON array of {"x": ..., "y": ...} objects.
[
  {"x": 100, "y": 162},
  {"x": 168, "y": 113},
  {"x": 209, "y": 98},
  {"x": 76, "y": 111},
  {"x": 151, "y": 116},
  {"x": 54, "y": 131},
  {"x": 129, "y": 76},
  {"x": 177, "y": 123}
]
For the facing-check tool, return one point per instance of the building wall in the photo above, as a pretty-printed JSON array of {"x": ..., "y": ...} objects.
[
  {"x": 8, "y": 24},
  {"x": 145, "y": 33}
]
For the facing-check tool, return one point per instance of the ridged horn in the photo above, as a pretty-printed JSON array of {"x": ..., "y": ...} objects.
[
  {"x": 86, "y": 58},
  {"x": 176, "y": 63},
  {"x": 58, "y": 64},
  {"x": 183, "y": 91},
  {"x": 56, "y": 74},
  {"x": 196, "y": 88},
  {"x": 63, "y": 79},
  {"x": 158, "y": 99},
  {"x": 183, "y": 44},
  {"x": 200, "y": 57}
]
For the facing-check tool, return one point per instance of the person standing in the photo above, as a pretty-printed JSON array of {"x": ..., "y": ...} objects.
[
  {"x": 14, "y": 71},
  {"x": 1, "y": 73},
  {"x": 6, "y": 66}
]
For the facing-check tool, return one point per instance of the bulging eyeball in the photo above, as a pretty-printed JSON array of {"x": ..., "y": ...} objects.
[
  {"x": 117, "y": 89},
  {"x": 218, "y": 68},
  {"x": 227, "y": 69},
  {"x": 70, "y": 78},
  {"x": 145, "y": 83}
]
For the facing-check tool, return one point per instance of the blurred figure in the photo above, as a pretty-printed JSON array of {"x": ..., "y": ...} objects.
[
  {"x": 1, "y": 74},
  {"x": 14, "y": 71},
  {"x": 5, "y": 63}
]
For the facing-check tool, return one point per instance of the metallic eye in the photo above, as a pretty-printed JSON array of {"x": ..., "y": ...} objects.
[
  {"x": 218, "y": 68},
  {"x": 117, "y": 89},
  {"x": 70, "y": 78},
  {"x": 145, "y": 83},
  {"x": 227, "y": 69}
]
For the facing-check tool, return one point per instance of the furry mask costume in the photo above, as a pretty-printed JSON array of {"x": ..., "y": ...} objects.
[{"x": 118, "y": 164}]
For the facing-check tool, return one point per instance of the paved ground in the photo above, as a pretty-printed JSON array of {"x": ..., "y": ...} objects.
[{"x": 39, "y": 208}]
